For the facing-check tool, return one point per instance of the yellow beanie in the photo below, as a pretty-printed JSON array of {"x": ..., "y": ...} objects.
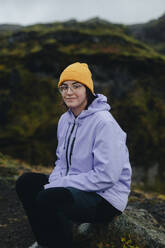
[{"x": 77, "y": 72}]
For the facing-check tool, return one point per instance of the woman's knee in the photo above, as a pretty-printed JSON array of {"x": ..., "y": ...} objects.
[
  {"x": 31, "y": 180},
  {"x": 23, "y": 181},
  {"x": 54, "y": 197}
]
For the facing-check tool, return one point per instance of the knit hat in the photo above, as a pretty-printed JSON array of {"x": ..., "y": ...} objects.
[{"x": 77, "y": 72}]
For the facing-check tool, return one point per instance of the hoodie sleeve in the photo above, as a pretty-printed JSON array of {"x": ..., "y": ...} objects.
[
  {"x": 57, "y": 169},
  {"x": 109, "y": 154}
]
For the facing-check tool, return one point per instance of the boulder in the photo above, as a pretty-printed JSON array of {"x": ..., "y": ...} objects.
[{"x": 136, "y": 225}]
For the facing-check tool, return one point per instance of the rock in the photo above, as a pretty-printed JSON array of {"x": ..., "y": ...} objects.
[
  {"x": 141, "y": 227},
  {"x": 137, "y": 225}
]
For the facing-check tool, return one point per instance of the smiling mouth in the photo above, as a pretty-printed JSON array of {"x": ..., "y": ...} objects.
[{"x": 70, "y": 98}]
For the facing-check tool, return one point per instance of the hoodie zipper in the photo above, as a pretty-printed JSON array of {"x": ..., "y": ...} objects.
[{"x": 67, "y": 169}]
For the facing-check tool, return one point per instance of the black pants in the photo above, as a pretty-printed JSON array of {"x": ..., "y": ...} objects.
[{"x": 51, "y": 212}]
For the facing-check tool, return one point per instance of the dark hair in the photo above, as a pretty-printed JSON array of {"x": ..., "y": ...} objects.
[{"x": 90, "y": 98}]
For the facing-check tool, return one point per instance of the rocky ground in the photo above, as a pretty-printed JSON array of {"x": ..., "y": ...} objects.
[
  {"x": 15, "y": 231},
  {"x": 14, "y": 228}
]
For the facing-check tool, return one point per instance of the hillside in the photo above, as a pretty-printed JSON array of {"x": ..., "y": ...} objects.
[
  {"x": 129, "y": 72},
  {"x": 9, "y": 27},
  {"x": 152, "y": 33}
]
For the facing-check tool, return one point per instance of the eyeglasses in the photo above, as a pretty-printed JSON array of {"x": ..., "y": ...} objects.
[{"x": 64, "y": 88}]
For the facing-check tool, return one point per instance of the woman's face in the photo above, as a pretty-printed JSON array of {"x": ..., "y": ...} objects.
[{"x": 75, "y": 97}]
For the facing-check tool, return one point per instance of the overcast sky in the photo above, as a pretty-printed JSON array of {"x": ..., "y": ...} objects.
[{"x": 27, "y": 12}]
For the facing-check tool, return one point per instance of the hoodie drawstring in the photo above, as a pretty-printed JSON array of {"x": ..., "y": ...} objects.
[
  {"x": 72, "y": 145},
  {"x": 66, "y": 136},
  {"x": 68, "y": 147}
]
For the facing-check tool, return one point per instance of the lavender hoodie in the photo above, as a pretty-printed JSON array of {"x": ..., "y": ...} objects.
[{"x": 92, "y": 154}]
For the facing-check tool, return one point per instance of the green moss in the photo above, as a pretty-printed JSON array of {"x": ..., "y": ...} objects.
[
  {"x": 50, "y": 41},
  {"x": 36, "y": 48}
]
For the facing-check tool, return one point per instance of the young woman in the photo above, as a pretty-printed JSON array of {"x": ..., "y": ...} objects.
[{"x": 92, "y": 174}]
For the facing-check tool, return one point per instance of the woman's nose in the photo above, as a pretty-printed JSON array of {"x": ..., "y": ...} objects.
[{"x": 69, "y": 91}]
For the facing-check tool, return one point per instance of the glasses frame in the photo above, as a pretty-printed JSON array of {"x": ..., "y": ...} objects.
[{"x": 74, "y": 87}]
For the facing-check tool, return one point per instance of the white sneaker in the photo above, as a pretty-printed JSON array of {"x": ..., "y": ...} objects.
[
  {"x": 84, "y": 228},
  {"x": 36, "y": 245}
]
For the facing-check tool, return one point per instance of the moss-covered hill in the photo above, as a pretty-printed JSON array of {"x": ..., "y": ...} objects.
[
  {"x": 151, "y": 32},
  {"x": 130, "y": 72}
]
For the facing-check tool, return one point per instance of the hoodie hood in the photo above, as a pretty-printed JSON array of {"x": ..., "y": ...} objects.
[{"x": 98, "y": 104}]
